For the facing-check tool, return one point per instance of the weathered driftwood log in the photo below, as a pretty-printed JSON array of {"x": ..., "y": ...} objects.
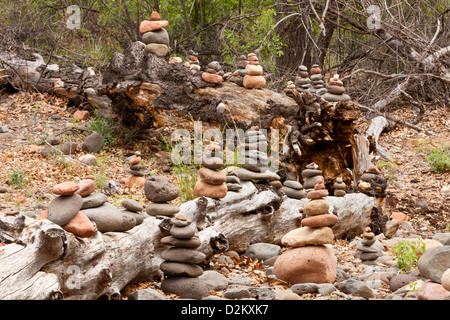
[{"x": 46, "y": 262}]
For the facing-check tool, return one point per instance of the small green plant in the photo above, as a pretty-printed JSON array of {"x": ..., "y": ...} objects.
[
  {"x": 17, "y": 178},
  {"x": 106, "y": 127},
  {"x": 408, "y": 253},
  {"x": 439, "y": 159},
  {"x": 101, "y": 177},
  {"x": 390, "y": 167},
  {"x": 187, "y": 177}
]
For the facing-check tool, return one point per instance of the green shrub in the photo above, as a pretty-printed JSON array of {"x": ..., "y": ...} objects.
[
  {"x": 439, "y": 159},
  {"x": 17, "y": 178},
  {"x": 107, "y": 129},
  {"x": 408, "y": 253}
]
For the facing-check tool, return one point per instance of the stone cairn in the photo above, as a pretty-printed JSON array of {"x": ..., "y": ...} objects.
[
  {"x": 181, "y": 259},
  {"x": 317, "y": 80},
  {"x": 311, "y": 175},
  {"x": 212, "y": 180},
  {"x": 366, "y": 250},
  {"x": 308, "y": 258},
  {"x": 373, "y": 183},
  {"x": 192, "y": 62},
  {"x": 254, "y": 153},
  {"x": 336, "y": 90},
  {"x": 302, "y": 81},
  {"x": 253, "y": 78},
  {"x": 136, "y": 169},
  {"x": 240, "y": 73},
  {"x": 339, "y": 188},
  {"x": 160, "y": 190},
  {"x": 79, "y": 211},
  {"x": 213, "y": 73},
  {"x": 293, "y": 189},
  {"x": 155, "y": 36},
  {"x": 65, "y": 209}
]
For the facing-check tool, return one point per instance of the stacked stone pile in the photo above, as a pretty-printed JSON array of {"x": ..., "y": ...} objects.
[
  {"x": 311, "y": 175},
  {"x": 293, "y": 189},
  {"x": 213, "y": 73},
  {"x": 181, "y": 261},
  {"x": 155, "y": 37},
  {"x": 302, "y": 81},
  {"x": 212, "y": 180},
  {"x": 136, "y": 169},
  {"x": 366, "y": 248},
  {"x": 192, "y": 62},
  {"x": 309, "y": 257},
  {"x": 253, "y": 78},
  {"x": 160, "y": 191},
  {"x": 79, "y": 211},
  {"x": 317, "y": 80},
  {"x": 336, "y": 90},
  {"x": 339, "y": 188}
]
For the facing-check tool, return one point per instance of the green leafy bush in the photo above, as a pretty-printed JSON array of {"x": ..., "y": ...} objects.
[
  {"x": 408, "y": 253},
  {"x": 17, "y": 178},
  {"x": 439, "y": 159},
  {"x": 106, "y": 127}
]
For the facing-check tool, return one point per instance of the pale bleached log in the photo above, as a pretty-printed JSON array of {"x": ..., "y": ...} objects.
[{"x": 47, "y": 262}]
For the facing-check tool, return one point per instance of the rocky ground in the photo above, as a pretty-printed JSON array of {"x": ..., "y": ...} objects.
[{"x": 414, "y": 197}]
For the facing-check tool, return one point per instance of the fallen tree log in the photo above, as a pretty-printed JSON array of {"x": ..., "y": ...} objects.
[{"x": 46, "y": 262}]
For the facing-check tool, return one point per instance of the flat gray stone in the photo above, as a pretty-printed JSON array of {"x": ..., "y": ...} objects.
[
  {"x": 187, "y": 255},
  {"x": 147, "y": 294},
  {"x": 63, "y": 208},
  {"x": 132, "y": 205},
  {"x": 185, "y": 287},
  {"x": 94, "y": 200},
  {"x": 161, "y": 209},
  {"x": 214, "y": 280},
  {"x": 109, "y": 218}
]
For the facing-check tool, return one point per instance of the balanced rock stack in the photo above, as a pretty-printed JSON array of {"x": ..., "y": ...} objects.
[
  {"x": 192, "y": 62},
  {"x": 255, "y": 162},
  {"x": 65, "y": 209},
  {"x": 293, "y": 189},
  {"x": 212, "y": 180},
  {"x": 366, "y": 250},
  {"x": 154, "y": 35},
  {"x": 339, "y": 188},
  {"x": 336, "y": 90},
  {"x": 240, "y": 73},
  {"x": 255, "y": 151},
  {"x": 253, "y": 78},
  {"x": 213, "y": 73},
  {"x": 311, "y": 175},
  {"x": 302, "y": 81},
  {"x": 317, "y": 82},
  {"x": 136, "y": 169},
  {"x": 373, "y": 182},
  {"x": 309, "y": 258},
  {"x": 160, "y": 190},
  {"x": 181, "y": 261}
]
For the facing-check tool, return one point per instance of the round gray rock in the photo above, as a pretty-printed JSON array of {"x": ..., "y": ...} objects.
[
  {"x": 160, "y": 189},
  {"x": 434, "y": 262},
  {"x": 262, "y": 251}
]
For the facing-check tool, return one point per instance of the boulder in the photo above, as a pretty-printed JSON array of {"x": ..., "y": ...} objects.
[
  {"x": 315, "y": 264},
  {"x": 434, "y": 262}
]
